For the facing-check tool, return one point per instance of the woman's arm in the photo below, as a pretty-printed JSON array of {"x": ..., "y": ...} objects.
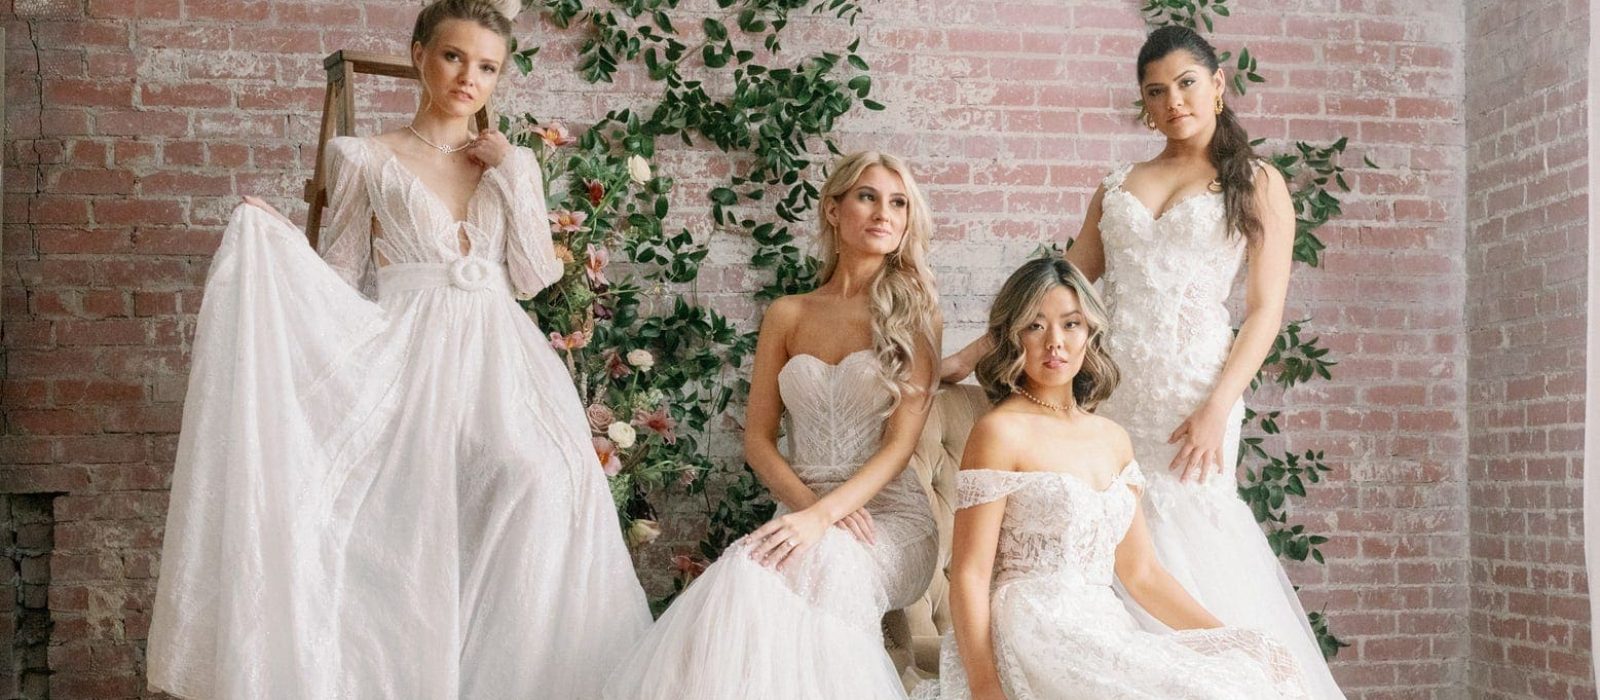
[
  {"x": 346, "y": 240},
  {"x": 764, "y": 409},
  {"x": 1087, "y": 253},
  {"x": 1267, "y": 286},
  {"x": 530, "y": 250},
  {"x": 1152, "y": 587},
  {"x": 972, "y": 553}
]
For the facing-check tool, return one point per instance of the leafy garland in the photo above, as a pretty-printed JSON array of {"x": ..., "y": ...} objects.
[
  {"x": 653, "y": 373},
  {"x": 1271, "y": 478}
]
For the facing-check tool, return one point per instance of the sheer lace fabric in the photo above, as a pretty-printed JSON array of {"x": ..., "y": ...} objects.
[
  {"x": 1061, "y": 633},
  {"x": 1167, "y": 282},
  {"x": 811, "y": 629},
  {"x": 393, "y": 498}
]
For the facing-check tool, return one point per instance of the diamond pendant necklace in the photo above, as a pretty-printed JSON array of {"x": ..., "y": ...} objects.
[{"x": 441, "y": 148}]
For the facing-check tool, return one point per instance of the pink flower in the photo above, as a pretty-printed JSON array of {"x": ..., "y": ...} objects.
[
  {"x": 598, "y": 259},
  {"x": 688, "y": 477},
  {"x": 569, "y": 342},
  {"x": 615, "y": 367},
  {"x": 610, "y": 463},
  {"x": 688, "y": 566},
  {"x": 597, "y": 192},
  {"x": 563, "y": 221},
  {"x": 555, "y": 134},
  {"x": 599, "y": 416},
  {"x": 660, "y": 422}
]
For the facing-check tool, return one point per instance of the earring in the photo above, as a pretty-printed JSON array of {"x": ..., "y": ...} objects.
[
  {"x": 1148, "y": 119},
  {"x": 1219, "y": 103}
]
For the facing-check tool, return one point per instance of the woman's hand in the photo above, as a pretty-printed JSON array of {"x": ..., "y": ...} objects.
[
  {"x": 860, "y": 524},
  {"x": 787, "y": 536},
  {"x": 259, "y": 203},
  {"x": 489, "y": 149},
  {"x": 1199, "y": 440}
]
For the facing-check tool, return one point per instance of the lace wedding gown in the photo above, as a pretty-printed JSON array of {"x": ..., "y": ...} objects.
[
  {"x": 390, "y": 499},
  {"x": 811, "y": 630},
  {"x": 1167, "y": 283},
  {"x": 1061, "y": 633}
]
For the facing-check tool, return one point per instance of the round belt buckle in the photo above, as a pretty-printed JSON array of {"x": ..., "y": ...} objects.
[{"x": 470, "y": 274}]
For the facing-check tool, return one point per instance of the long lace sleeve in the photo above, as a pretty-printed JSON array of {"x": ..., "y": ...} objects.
[
  {"x": 346, "y": 241},
  {"x": 530, "y": 252},
  {"x": 975, "y": 487}
]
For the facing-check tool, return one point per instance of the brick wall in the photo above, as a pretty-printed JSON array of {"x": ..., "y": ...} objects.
[
  {"x": 133, "y": 124},
  {"x": 1527, "y": 228}
]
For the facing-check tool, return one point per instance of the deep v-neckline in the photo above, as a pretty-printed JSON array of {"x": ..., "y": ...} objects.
[{"x": 393, "y": 157}]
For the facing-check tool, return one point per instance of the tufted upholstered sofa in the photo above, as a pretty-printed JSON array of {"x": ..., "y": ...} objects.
[{"x": 912, "y": 635}]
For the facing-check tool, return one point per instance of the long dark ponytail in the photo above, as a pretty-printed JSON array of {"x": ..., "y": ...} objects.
[{"x": 1230, "y": 151}]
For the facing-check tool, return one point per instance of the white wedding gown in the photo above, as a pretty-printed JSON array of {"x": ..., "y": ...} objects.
[
  {"x": 390, "y": 499},
  {"x": 811, "y": 630},
  {"x": 1059, "y": 630},
  {"x": 1167, "y": 282}
]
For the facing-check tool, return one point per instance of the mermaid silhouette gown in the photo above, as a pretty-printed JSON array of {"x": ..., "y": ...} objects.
[
  {"x": 811, "y": 630},
  {"x": 1166, "y": 284}
]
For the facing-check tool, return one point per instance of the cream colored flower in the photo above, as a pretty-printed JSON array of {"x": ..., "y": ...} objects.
[
  {"x": 643, "y": 532},
  {"x": 638, "y": 169},
  {"x": 642, "y": 359},
  {"x": 622, "y": 434}
]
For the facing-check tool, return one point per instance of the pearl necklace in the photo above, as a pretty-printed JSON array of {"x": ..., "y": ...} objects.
[
  {"x": 1052, "y": 406},
  {"x": 441, "y": 148}
]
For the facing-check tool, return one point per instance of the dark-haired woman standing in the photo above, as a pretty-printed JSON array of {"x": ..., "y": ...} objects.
[{"x": 1169, "y": 235}]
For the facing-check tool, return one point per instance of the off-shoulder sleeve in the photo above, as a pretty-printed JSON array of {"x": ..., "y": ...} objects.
[
  {"x": 530, "y": 252},
  {"x": 1133, "y": 476},
  {"x": 346, "y": 240},
  {"x": 975, "y": 487}
]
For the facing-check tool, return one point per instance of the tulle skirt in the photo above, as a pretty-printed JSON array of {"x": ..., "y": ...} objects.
[
  {"x": 742, "y": 631},
  {"x": 1207, "y": 537},
  {"x": 1059, "y": 639},
  {"x": 382, "y": 500}
]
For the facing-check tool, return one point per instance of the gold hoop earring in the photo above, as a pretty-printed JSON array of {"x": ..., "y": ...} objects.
[
  {"x": 1219, "y": 103},
  {"x": 1148, "y": 119}
]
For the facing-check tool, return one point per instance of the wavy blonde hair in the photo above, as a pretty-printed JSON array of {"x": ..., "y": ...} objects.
[
  {"x": 903, "y": 300},
  {"x": 1001, "y": 370}
]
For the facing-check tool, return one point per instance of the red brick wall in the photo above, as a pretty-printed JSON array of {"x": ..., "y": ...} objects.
[
  {"x": 132, "y": 124},
  {"x": 1527, "y": 229}
]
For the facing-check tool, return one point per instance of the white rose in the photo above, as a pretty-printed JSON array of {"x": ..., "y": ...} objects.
[
  {"x": 643, "y": 532},
  {"x": 622, "y": 434},
  {"x": 642, "y": 359},
  {"x": 638, "y": 169}
]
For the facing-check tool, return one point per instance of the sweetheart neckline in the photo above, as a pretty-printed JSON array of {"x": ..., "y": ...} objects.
[{"x": 1157, "y": 218}]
